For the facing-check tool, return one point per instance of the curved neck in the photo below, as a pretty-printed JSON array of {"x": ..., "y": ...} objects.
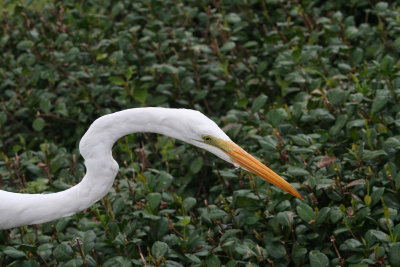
[{"x": 95, "y": 146}]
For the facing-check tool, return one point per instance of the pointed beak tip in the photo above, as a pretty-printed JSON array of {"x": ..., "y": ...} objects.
[
  {"x": 248, "y": 162},
  {"x": 291, "y": 190},
  {"x": 299, "y": 196}
]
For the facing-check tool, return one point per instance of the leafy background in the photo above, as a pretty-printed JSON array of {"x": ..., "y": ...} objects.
[{"x": 310, "y": 87}]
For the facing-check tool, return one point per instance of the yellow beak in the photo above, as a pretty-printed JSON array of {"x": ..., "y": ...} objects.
[{"x": 248, "y": 162}]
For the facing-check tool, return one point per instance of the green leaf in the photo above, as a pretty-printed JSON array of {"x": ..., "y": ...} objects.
[
  {"x": 61, "y": 39},
  {"x": 367, "y": 199},
  {"x": 296, "y": 54},
  {"x": 339, "y": 124},
  {"x": 301, "y": 140},
  {"x": 116, "y": 80},
  {"x": 232, "y": 263},
  {"x": 394, "y": 254},
  {"x": 283, "y": 218},
  {"x": 62, "y": 223},
  {"x": 154, "y": 199},
  {"x": 38, "y": 124},
  {"x": 305, "y": 212},
  {"x": 379, "y": 235},
  {"x": 381, "y": 6},
  {"x": 355, "y": 123},
  {"x": 76, "y": 263},
  {"x": 275, "y": 116},
  {"x": 299, "y": 252},
  {"x": 14, "y": 253},
  {"x": 318, "y": 259},
  {"x": 140, "y": 94},
  {"x": 117, "y": 261},
  {"x": 162, "y": 181},
  {"x": 101, "y": 56},
  {"x": 335, "y": 214},
  {"x": 357, "y": 56},
  {"x": 233, "y": 18},
  {"x": 336, "y": 96},
  {"x": 185, "y": 221},
  {"x": 118, "y": 206},
  {"x": 379, "y": 103},
  {"x": 387, "y": 64},
  {"x": 376, "y": 195},
  {"x": 45, "y": 250},
  {"x": 243, "y": 102},
  {"x": 322, "y": 215},
  {"x": 45, "y": 105},
  {"x": 61, "y": 109},
  {"x": 259, "y": 103},
  {"x": 297, "y": 172},
  {"x": 159, "y": 249},
  {"x": 217, "y": 214},
  {"x": 193, "y": 258},
  {"x": 196, "y": 165},
  {"x": 262, "y": 66},
  {"x": 396, "y": 42},
  {"x": 230, "y": 233},
  {"x": 351, "y": 245},
  {"x": 24, "y": 45},
  {"x": 276, "y": 250},
  {"x": 212, "y": 261},
  {"x": 63, "y": 252},
  {"x": 243, "y": 249},
  {"x": 372, "y": 155},
  {"x": 189, "y": 203},
  {"x": 129, "y": 73},
  {"x": 88, "y": 240},
  {"x": 37, "y": 186},
  {"x": 228, "y": 46}
]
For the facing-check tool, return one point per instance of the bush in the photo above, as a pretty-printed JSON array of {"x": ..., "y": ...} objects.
[{"x": 311, "y": 87}]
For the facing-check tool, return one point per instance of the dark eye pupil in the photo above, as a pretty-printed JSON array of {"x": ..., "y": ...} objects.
[{"x": 208, "y": 138}]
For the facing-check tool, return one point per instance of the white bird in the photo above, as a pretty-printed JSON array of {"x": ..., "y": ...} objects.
[{"x": 184, "y": 124}]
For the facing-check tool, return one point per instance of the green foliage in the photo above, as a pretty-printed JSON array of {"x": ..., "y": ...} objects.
[{"x": 310, "y": 87}]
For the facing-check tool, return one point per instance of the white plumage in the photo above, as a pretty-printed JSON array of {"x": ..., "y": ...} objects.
[{"x": 95, "y": 146}]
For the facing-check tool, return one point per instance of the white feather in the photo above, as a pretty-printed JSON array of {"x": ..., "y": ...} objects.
[{"x": 95, "y": 146}]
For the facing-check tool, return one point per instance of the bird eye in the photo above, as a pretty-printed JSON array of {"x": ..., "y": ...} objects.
[{"x": 206, "y": 138}]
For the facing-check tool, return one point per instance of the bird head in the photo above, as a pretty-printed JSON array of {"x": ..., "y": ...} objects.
[{"x": 205, "y": 133}]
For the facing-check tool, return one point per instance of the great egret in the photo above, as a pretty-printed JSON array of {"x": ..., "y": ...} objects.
[{"x": 187, "y": 125}]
